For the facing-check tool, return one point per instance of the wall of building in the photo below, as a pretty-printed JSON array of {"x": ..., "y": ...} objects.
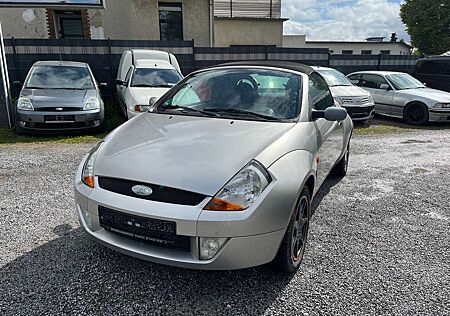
[
  {"x": 131, "y": 19},
  {"x": 23, "y": 23},
  {"x": 298, "y": 41},
  {"x": 247, "y": 31}
]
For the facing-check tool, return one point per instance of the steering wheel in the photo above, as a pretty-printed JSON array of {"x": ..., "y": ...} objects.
[{"x": 250, "y": 80}]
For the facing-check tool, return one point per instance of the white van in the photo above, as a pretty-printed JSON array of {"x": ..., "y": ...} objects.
[{"x": 143, "y": 75}]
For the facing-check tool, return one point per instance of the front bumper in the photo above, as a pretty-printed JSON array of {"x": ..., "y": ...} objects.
[
  {"x": 60, "y": 121},
  {"x": 439, "y": 115},
  {"x": 252, "y": 239},
  {"x": 360, "y": 112}
]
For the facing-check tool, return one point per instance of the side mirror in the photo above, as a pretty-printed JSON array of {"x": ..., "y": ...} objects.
[
  {"x": 17, "y": 84},
  {"x": 385, "y": 87},
  {"x": 121, "y": 82},
  {"x": 102, "y": 85},
  {"x": 152, "y": 103},
  {"x": 331, "y": 114}
]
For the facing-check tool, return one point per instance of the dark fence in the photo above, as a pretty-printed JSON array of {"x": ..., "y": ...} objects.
[{"x": 103, "y": 56}]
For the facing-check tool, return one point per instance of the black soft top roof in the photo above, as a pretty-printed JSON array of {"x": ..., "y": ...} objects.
[{"x": 272, "y": 63}]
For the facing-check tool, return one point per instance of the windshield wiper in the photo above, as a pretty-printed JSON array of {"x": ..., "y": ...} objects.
[
  {"x": 242, "y": 113},
  {"x": 341, "y": 85},
  {"x": 188, "y": 109}
]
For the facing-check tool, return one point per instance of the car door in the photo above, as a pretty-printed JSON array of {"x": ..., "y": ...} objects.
[
  {"x": 381, "y": 91},
  {"x": 330, "y": 133},
  {"x": 123, "y": 89}
]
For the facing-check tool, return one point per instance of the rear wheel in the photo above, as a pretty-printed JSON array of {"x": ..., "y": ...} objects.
[
  {"x": 416, "y": 114},
  {"x": 293, "y": 246}
]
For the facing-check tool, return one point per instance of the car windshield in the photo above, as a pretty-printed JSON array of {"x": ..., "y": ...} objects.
[
  {"x": 254, "y": 94},
  {"x": 60, "y": 77},
  {"x": 335, "y": 78},
  {"x": 404, "y": 82},
  {"x": 150, "y": 77}
]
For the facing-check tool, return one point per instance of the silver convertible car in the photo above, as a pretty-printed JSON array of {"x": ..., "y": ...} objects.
[{"x": 220, "y": 174}]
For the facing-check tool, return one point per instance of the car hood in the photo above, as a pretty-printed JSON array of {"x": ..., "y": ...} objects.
[
  {"x": 143, "y": 95},
  {"x": 350, "y": 91},
  {"x": 196, "y": 154},
  {"x": 58, "y": 97},
  {"x": 432, "y": 94}
]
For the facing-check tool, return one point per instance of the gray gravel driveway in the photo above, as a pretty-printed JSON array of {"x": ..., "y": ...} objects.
[{"x": 379, "y": 244}]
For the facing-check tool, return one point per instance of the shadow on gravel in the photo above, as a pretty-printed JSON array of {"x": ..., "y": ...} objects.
[
  {"x": 329, "y": 183},
  {"x": 74, "y": 275}
]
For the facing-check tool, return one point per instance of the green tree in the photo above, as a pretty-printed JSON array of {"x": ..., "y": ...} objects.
[{"x": 428, "y": 24}]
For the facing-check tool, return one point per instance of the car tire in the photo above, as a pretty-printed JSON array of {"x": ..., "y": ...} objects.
[
  {"x": 292, "y": 248},
  {"x": 340, "y": 169},
  {"x": 416, "y": 113},
  {"x": 19, "y": 130}
]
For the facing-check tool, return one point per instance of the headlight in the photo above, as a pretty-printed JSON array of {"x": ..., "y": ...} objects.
[
  {"x": 141, "y": 108},
  {"x": 241, "y": 191},
  {"x": 25, "y": 104},
  {"x": 442, "y": 105},
  {"x": 92, "y": 104},
  {"x": 370, "y": 98},
  {"x": 87, "y": 175}
]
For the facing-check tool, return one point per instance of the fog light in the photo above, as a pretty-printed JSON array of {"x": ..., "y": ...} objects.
[
  {"x": 96, "y": 122},
  {"x": 210, "y": 246},
  {"x": 22, "y": 124}
]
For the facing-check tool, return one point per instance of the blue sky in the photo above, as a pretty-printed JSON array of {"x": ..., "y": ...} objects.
[{"x": 343, "y": 19}]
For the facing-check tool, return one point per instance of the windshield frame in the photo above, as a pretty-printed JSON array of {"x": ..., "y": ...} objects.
[
  {"x": 31, "y": 72},
  {"x": 394, "y": 85},
  {"x": 337, "y": 72},
  {"x": 132, "y": 84},
  {"x": 157, "y": 109}
]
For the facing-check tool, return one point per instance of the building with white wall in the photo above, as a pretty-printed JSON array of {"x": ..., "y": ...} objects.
[{"x": 369, "y": 47}]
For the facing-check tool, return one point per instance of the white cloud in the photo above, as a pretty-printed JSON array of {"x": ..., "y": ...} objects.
[{"x": 343, "y": 19}]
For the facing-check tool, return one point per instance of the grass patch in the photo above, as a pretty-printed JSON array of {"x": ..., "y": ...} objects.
[{"x": 114, "y": 118}]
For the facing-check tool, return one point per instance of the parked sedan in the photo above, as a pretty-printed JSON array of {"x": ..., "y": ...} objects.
[
  {"x": 400, "y": 95},
  {"x": 357, "y": 101},
  {"x": 59, "y": 96},
  {"x": 221, "y": 174}
]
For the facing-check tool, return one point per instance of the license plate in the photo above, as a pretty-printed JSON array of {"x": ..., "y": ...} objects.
[
  {"x": 137, "y": 226},
  {"x": 59, "y": 118}
]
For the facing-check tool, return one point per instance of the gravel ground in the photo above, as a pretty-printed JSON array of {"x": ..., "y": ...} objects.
[{"x": 379, "y": 244}]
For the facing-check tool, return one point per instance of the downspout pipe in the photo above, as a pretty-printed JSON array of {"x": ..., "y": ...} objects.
[{"x": 211, "y": 23}]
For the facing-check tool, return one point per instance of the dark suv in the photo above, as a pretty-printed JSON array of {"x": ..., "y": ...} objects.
[{"x": 434, "y": 72}]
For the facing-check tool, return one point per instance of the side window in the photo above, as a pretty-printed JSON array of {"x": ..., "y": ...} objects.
[
  {"x": 355, "y": 79},
  {"x": 372, "y": 81},
  {"x": 319, "y": 93},
  {"x": 128, "y": 76},
  {"x": 435, "y": 68}
]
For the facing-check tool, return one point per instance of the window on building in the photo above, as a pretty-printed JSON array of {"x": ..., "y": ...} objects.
[
  {"x": 347, "y": 52},
  {"x": 170, "y": 21},
  {"x": 69, "y": 24},
  {"x": 385, "y": 52},
  {"x": 366, "y": 52}
]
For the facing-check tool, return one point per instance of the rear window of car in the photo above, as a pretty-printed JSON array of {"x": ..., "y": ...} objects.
[{"x": 59, "y": 77}]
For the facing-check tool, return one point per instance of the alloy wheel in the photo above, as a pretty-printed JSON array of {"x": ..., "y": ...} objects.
[{"x": 300, "y": 230}]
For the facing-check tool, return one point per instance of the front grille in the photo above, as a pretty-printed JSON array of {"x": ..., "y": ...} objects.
[
  {"x": 59, "y": 109},
  {"x": 355, "y": 100},
  {"x": 59, "y": 125},
  {"x": 359, "y": 112},
  {"x": 154, "y": 231},
  {"x": 159, "y": 193}
]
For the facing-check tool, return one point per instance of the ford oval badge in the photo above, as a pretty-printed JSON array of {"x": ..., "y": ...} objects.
[{"x": 142, "y": 190}]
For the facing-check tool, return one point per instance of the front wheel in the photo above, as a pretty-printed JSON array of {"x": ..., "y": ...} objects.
[
  {"x": 293, "y": 246},
  {"x": 340, "y": 170},
  {"x": 416, "y": 114}
]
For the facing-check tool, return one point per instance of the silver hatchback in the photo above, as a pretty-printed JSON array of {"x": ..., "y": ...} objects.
[{"x": 221, "y": 172}]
